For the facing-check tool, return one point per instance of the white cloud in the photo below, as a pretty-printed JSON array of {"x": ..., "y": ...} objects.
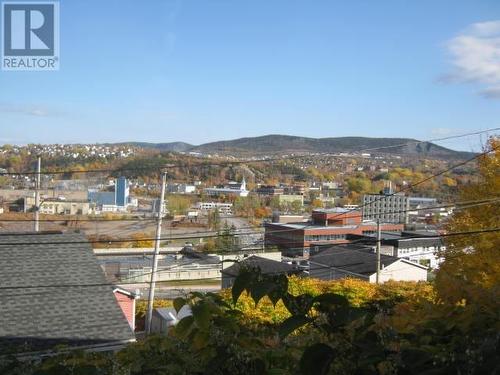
[
  {"x": 476, "y": 57},
  {"x": 27, "y": 110}
]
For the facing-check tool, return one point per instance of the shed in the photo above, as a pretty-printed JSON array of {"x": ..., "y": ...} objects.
[{"x": 166, "y": 317}]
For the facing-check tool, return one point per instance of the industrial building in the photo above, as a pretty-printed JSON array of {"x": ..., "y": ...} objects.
[
  {"x": 118, "y": 200},
  {"x": 58, "y": 206},
  {"x": 327, "y": 226}
]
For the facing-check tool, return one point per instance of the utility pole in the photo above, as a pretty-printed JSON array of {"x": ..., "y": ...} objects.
[
  {"x": 37, "y": 195},
  {"x": 152, "y": 283},
  {"x": 378, "y": 251}
]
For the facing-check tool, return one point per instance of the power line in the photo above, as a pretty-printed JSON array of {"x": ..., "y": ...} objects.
[
  {"x": 343, "y": 213},
  {"x": 432, "y": 140},
  {"x": 141, "y": 220},
  {"x": 138, "y": 220},
  {"x": 401, "y": 190},
  {"x": 234, "y": 248},
  {"x": 148, "y": 168},
  {"x": 474, "y": 232},
  {"x": 411, "y": 186},
  {"x": 2, "y": 244},
  {"x": 192, "y": 235},
  {"x": 122, "y": 281}
]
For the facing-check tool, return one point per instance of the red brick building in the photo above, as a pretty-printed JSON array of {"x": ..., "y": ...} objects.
[{"x": 327, "y": 226}]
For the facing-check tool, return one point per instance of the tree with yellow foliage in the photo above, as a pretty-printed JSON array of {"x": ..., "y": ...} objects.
[
  {"x": 317, "y": 203},
  {"x": 142, "y": 240},
  {"x": 471, "y": 268}
]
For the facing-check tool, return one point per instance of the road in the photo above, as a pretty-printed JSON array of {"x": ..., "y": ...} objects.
[{"x": 126, "y": 229}]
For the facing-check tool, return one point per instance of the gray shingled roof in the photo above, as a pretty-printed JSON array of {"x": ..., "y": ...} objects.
[
  {"x": 355, "y": 260},
  {"x": 49, "y": 296},
  {"x": 266, "y": 266}
]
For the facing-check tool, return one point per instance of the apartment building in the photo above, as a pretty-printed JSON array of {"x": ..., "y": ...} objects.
[{"x": 388, "y": 207}]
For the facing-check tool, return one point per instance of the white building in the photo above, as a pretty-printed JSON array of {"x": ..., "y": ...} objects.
[
  {"x": 112, "y": 208},
  {"x": 420, "y": 246},
  {"x": 194, "y": 266},
  {"x": 177, "y": 188},
  {"x": 341, "y": 261},
  {"x": 58, "y": 206},
  {"x": 423, "y": 250},
  {"x": 232, "y": 188},
  {"x": 223, "y": 208}
]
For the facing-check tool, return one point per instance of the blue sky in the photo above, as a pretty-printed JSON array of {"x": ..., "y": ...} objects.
[{"x": 206, "y": 70}]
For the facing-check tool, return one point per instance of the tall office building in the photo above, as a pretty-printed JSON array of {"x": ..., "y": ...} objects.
[{"x": 387, "y": 207}]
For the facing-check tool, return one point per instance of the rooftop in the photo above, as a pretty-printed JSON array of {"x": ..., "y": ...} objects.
[
  {"x": 334, "y": 210},
  {"x": 266, "y": 266},
  {"x": 55, "y": 293},
  {"x": 354, "y": 258},
  {"x": 308, "y": 225},
  {"x": 361, "y": 261},
  {"x": 170, "y": 314}
]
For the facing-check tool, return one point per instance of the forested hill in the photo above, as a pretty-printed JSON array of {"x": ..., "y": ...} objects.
[{"x": 272, "y": 144}]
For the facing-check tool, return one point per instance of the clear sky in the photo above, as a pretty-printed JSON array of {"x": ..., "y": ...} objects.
[{"x": 206, "y": 70}]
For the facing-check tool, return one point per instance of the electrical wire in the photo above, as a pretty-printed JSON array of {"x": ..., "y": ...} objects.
[
  {"x": 122, "y": 281},
  {"x": 140, "y": 220},
  {"x": 93, "y": 220},
  {"x": 187, "y": 236},
  {"x": 411, "y": 186},
  {"x": 474, "y": 232},
  {"x": 385, "y": 196},
  {"x": 417, "y": 183},
  {"x": 432, "y": 140}
]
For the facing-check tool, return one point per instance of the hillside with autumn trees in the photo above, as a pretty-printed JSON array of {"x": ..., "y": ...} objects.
[{"x": 355, "y": 174}]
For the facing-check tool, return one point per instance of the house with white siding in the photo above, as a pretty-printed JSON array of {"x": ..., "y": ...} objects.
[{"x": 341, "y": 261}]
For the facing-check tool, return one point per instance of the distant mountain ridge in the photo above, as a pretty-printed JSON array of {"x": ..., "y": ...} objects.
[{"x": 280, "y": 144}]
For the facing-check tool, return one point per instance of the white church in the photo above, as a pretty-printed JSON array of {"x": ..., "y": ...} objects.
[{"x": 232, "y": 188}]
